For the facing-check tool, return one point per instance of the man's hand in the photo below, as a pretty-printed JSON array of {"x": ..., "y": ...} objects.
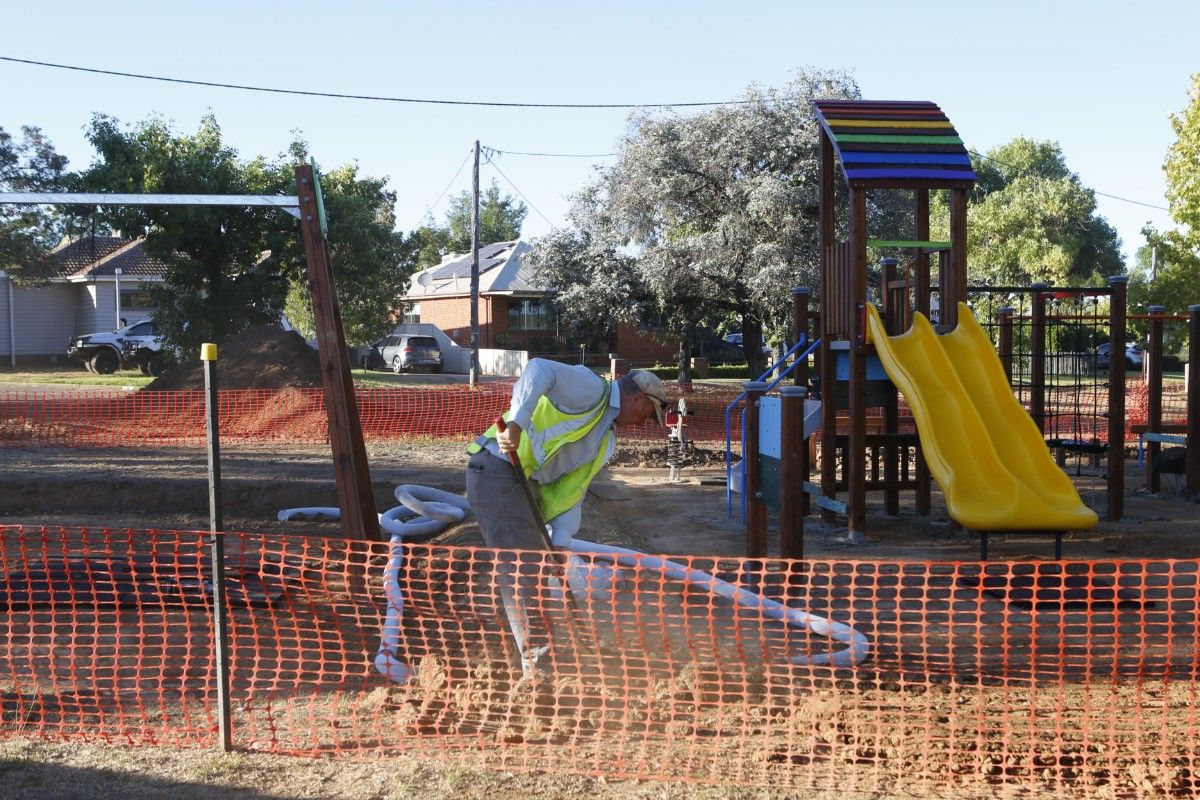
[{"x": 509, "y": 438}]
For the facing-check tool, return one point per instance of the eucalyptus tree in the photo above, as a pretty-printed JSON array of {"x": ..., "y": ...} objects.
[{"x": 716, "y": 215}]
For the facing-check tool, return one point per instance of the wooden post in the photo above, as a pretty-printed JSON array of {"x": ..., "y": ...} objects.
[
  {"x": 800, "y": 327},
  {"x": 756, "y": 509},
  {"x": 958, "y": 260},
  {"x": 1154, "y": 382},
  {"x": 356, "y": 496},
  {"x": 891, "y": 406},
  {"x": 921, "y": 262},
  {"x": 856, "y": 463},
  {"x": 825, "y": 361},
  {"x": 1005, "y": 347},
  {"x": 1193, "y": 405},
  {"x": 1116, "y": 400},
  {"x": 1037, "y": 357},
  {"x": 792, "y": 454}
]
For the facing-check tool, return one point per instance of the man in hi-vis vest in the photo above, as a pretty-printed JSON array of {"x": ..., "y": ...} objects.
[{"x": 560, "y": 424}]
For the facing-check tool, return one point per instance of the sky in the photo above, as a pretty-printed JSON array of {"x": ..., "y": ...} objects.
[{"x": 1099, "y": 78}]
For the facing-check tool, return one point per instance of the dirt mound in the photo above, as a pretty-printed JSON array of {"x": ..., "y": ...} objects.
[{"x": 262, "y": 357}]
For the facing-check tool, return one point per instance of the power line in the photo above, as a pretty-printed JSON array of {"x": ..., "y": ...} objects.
[
  {"x": 429, "y": 208},
  {"x": 347, "y": 96},
  {"x": 551, "y": 155},
  {"x": 519, "y": 192},
  {"x": 1094, "y": 191}
]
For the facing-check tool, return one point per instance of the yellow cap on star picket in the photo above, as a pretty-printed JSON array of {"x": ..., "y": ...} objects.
[{"x": 208, "y": 352}]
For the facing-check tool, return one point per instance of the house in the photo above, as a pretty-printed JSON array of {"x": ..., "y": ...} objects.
[
  {"x": 515, "y": 311},
  {"x": 93, "y": 283}
]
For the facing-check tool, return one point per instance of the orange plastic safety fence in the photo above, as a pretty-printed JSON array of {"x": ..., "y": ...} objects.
[
  {"x": 998, "y": 679},
  {"x": 110, "y": 418}
]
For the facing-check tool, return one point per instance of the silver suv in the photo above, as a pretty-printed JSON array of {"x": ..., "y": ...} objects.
[{"x": 403, "y": 352}]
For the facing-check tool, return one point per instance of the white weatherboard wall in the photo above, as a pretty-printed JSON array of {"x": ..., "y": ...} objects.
[
  {"x": 510, "y": 363},
  {"x": 43, "y": 319}
]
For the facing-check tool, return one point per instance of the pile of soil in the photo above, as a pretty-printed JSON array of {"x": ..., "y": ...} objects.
[{"x": 262, "y": 357}]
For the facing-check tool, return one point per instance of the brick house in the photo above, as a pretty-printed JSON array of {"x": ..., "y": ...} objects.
[
  {"x": 515, "y": 312},
  {"x": 92, "y": 283}
]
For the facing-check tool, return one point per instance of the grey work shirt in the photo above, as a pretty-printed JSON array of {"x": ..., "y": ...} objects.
[{"x": 572, "y": 389}]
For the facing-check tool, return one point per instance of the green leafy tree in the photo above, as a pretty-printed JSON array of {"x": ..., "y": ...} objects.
[
  {"x": 718, "y": 211},
  {"x": 1030, "y": 218},
  {"x": 230, "y": 267},
  {"x": 27, "y": 233},
  {"x": 500, "y": 220},
  {"x": 371, "y": 261},
  {"x": 1182, "y": 168},
  {"x": 218, "y": 281}
]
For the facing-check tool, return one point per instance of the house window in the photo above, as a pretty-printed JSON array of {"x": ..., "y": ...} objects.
[
  {"x": 137, "y": 300},
  {"x": 529, "y": 314},
  {"x": 412, "y": 313}
]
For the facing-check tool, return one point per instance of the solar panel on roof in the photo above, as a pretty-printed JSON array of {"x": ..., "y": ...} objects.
[{"x": 461, "y": 268}]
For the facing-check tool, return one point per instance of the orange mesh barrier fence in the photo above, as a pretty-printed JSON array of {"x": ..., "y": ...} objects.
[
  {"x": 108, "y": 418},
  {"x": 900, "y": 679}
]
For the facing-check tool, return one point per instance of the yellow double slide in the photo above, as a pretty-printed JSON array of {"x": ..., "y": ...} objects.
[{"x": 981, "y": 445}]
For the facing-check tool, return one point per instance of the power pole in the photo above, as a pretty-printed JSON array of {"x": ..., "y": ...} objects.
[{"x": 475, "y": 269}]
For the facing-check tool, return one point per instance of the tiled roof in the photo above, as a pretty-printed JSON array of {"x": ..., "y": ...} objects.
[
  {"x": 502, "y": 270},
  {"x": 99, "y": 256},
  {"x": 895, "y": 143}
]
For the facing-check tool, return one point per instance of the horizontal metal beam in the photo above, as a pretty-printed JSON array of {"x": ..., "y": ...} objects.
[{"x": 288, "y": 203}]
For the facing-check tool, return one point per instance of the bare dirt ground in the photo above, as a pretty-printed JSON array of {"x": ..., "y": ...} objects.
[{"x": 633, "y": 505}]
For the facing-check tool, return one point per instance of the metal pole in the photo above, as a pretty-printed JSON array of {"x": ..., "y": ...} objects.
[
  {"x": 117, "y": 292},
  {"x": 208, "y": 354},
  {"x": 474, "y": 372}
]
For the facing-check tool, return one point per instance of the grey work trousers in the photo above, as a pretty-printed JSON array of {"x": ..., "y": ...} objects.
[{"x": 507, "y": 523}]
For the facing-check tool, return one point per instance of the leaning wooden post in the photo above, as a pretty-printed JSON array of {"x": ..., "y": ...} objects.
[
  {"x": 800, "y": 328},
  {"x": 1006, "y": 341},
  {"x": 356, "y": 495},
  {"x": 208, "y": 355},
  {"x": 756, "y": 509},
  {"x": 1116, "y": 399},
  {"x": 1037, "y": 357},
  {"x": 1154, "y": 383},
  {"x": 793, "y": 448},
  {"x": 1193, "y": 404}
]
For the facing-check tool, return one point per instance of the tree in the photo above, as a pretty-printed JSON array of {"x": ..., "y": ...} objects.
[
  {"x": 27, "y": 233},
  {"x": 1182, "y": 168},
  {"x": 372, "y": 262},
  {"x": 500, "y": 220},
  {"x": 230, "y": 267},
  {"x": 217, "y": 281},
  {"x": 719, "y": 211},
  {"x": 1030, "y": 218}
]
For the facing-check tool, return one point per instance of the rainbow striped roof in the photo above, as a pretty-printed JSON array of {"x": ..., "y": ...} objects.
[{"x": 895, "y": 144}]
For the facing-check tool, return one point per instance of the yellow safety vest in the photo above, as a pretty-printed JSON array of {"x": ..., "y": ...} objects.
[{"x": 552, "y": 429}]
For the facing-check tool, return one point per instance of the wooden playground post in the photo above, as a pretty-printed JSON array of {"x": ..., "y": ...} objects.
[
  {"x": 856, "y": 445},
  {"x": 800, "y": 327},
  {"x": 1154, "y": 379},
  {"x": 756, "y": 509},
  {"x": 957, "y": 274},
  {"x": 1006, "y": 341},
  {"x": 1116, "y": 399},
  {"x": 1037, "y": 357},
  {"x": 829, "y": 299},
  {"x": 793, "y": 455},
  {"x": 1193, "y": 405},
  {"x": 893, "y": 302},
  {"x": 924, "y": 491}
]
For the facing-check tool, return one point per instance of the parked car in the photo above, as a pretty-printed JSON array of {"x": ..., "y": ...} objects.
[
  {"x": 736, "y": 340},
  {"x": 402, "y": 352},
  {"x": 1133, "y": 356},
  {"x": 137, "y": 345},
  {"x": 719, "y": 352}
]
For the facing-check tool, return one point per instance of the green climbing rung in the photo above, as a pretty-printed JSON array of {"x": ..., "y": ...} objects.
[{"x": 908, "y": 243}]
